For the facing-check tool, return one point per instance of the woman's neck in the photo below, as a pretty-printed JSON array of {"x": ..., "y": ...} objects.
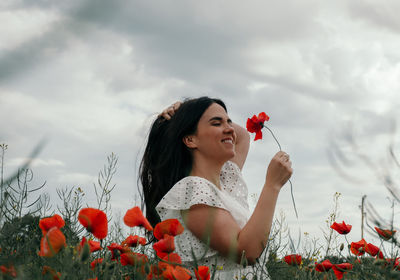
[{"x": 207, "y": 169}]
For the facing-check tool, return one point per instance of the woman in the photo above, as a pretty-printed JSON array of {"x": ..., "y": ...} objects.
[{"x": 191, "y": 171}]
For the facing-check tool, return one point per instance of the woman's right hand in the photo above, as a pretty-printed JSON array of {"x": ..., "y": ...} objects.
[
  {"x": 279, "y": 170},
  {"x": 170, "y": 111}
]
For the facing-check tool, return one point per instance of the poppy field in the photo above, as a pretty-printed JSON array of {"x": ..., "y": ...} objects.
[{"x": 79, "y": 242}]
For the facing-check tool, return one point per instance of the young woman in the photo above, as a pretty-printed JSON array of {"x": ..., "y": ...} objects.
[{"x": 191, "y": 171}]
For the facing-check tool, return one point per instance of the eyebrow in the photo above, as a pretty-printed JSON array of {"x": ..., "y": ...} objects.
[{"x": 218, "y": 119}]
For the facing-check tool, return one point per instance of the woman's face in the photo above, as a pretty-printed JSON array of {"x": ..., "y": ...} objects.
[{"x": 215, "y": 136}]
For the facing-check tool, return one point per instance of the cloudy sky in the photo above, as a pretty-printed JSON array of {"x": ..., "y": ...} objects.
[{"x": 90, "y": 76}]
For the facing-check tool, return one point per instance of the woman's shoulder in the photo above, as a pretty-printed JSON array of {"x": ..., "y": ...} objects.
[{"x": 189, "y": 191}]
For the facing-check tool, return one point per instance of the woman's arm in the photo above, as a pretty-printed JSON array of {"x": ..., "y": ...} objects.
[
  {"x": 225, "y": 235},
  {"x": 241, "y": 146}
]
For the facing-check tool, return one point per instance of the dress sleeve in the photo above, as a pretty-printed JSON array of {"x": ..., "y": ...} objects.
[{"x": 190, "y": 191}]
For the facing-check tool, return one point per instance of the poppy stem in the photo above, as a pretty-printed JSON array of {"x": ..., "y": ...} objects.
[{"x": 290, "y": 182}]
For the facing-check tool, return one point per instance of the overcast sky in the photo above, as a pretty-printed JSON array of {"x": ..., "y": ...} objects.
[{"x": 90, "y": 76}]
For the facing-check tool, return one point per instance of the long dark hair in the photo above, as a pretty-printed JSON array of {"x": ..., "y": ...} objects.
[{"x": 166, "y": 159}]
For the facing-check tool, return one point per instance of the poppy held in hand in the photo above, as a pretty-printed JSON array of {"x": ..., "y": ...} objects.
[
  {"x": 170, "y": 226},
  {"x": 293, "y": 259},
  {"x": 386, "y": 234},
  {"x": 95, "y": 221},
  {"x": 256, "y": 123},
  {"x": 341, "y": 228},
  {"x": 134, "y": 217}
]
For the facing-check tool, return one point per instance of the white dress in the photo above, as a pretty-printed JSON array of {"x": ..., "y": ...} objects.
[{"x": 232, "y": 197}]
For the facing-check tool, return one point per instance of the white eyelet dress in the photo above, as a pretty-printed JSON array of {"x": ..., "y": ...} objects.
[{"x": 232, "y": 197}]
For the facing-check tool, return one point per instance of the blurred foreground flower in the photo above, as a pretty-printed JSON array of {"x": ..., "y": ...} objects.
[
  {"x": 134, "y": 217},
  {"x": 202, "y": 273},
  {"x": 95, "y": 221},
  {"x": 52, "y": 242}
]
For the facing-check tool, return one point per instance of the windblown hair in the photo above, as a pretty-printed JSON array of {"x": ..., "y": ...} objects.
[{"x": 167, "y": 159}]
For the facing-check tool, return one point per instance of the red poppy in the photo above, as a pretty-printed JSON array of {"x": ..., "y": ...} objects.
[
  {"x": 172, "y": 259},
  {"x": 293, "y": 259},
  {"x": 95, "y": 221},
  {"x": 47, "y": 269},
  {"x": 202, "y": 273},
  {"x": 341, "y": 228},
  {"x": 134, "y": 241},
  {"x": 47, "y": 223},
  {"x": 8, "y": 270},
  {"x": 372, "y": 249},
  {"x": 340, "y": 269},
  {"x": 256, "y": 123},
  {"x": 164, "y": 246},
  {"x": 385, "y": 233},
  {"x": 170, "y": 226},
  {"x": 176, "y": 273},
  {"x": 358, "y": 248},
  {"x": 96, "y": 262},
  {"x": 117, "y": 249},
  {"x": 93, "y": 245},
  {"x": 135, "y": 259},
  {"x": 134, "y": 217},
  {"x": 52, "y": 242},
  {"x": 326, "y": 265}
]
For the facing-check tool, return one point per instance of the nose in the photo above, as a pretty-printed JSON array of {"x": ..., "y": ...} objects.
[{"x": 229, "y": 128}]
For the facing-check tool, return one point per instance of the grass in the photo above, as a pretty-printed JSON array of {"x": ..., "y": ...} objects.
[{"x": 20, "y": 240}]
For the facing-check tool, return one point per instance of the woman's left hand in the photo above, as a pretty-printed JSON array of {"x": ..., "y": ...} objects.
[{"x": 170, "y": 111}]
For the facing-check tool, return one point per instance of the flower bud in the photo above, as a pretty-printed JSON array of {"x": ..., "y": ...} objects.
[
  {"x": 85, "y": 252},
  {"x": 341, "y": 247}
]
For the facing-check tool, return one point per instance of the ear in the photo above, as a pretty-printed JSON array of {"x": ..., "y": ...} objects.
[{"x": 189, "y": 141}]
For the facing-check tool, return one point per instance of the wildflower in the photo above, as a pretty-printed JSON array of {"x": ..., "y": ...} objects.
[
  {"x": 8, "y": 270},
  {"x": 164, "y": 246},
  {"x": 170, "y": 259},
  {"x": 52, "y": 242},
  {"x": 117, "y": 249},
  {"x": 372, "y": 250},
  {"x": 170, "y": 226},
  {"x": 340, "y": 269},
  {"x": 341, "y": 228},
  {"x": 293, "y": 259},
  {"x": 134, "y": 217},
  {"x": 386, "y": 234},
  {"x": 134, "y": 241},
  {"x": 132, "y": 258},
  {"x": 326, "y": 265},
  {"x": 47, "y": 223},
  {"x": 202, "y": 273},
  {"x": 93, "y": 245},
  {"x": 176, "y": 273},
  {"x": 256, "y": 123},
  {"x": 95, "y": 221},
  {"x": 47, "y": 269},
  {"x": 96, "y": 262},
  {"x": 358, "y": 248}
]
